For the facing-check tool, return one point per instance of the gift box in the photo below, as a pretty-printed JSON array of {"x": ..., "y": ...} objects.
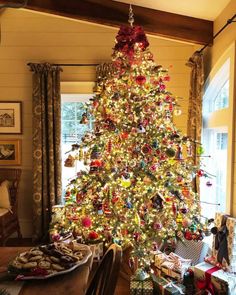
[
  {"x": 224, "y": 242},
  {"x": 194, "y": 250},
  {"x": 172, "y": 265},
  {"x": 165, "y": 286},
  {"x": 214, "y": 279},
  {"x": 138, "y": 287}
]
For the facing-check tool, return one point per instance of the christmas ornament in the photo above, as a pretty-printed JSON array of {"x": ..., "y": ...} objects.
[
  {"x": 170, "y": 153},
  {"x": 93, "y": 235},
  {"x": 86, "y": 221},
  {"x": 84, "y": 119}
]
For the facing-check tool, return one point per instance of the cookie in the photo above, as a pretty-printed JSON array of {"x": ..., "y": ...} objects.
[
  {"x": 57, "y": 267},
  {"x": 44, "y": 264},
  {"x": 36, "y": 258},
  {"x": 55, "y": 259},
  {"x": 36, "y": 252},
  {"x": 22, "y": 259}
]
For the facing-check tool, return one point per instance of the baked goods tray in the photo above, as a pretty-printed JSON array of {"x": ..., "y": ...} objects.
[{"x": 48, "y": 261}]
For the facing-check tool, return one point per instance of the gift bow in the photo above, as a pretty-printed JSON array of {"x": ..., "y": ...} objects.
[
  {"x": 221, "y": 241},
  {"x": 206, "y": 284}
]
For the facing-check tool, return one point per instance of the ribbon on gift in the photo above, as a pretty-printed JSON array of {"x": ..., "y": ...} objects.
[
  {"x": 172, "y": 285},
  {"x": 175, "y": 262},
  {"x": 221, "y": 244},
  {"x": 207, "y": 284}
]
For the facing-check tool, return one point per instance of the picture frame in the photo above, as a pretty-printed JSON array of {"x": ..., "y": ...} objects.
[
  {"x": 10, "y": 152},
  {"x": 10, "y": 117}
]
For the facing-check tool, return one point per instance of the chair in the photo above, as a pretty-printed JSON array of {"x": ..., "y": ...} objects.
[
  {"x": 106, "y": 275},
  {"x": 9, "y": 222}
]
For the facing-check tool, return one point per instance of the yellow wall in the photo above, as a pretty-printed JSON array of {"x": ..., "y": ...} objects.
[
  {"x": 32, "y": 37},
  {"x": 211, "y": 58}
]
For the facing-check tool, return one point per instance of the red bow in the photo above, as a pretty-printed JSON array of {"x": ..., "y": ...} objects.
[{"x": 207, "y": 284}]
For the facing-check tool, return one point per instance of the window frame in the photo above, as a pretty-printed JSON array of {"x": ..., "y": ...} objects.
[{"x": 223, "y": 119}]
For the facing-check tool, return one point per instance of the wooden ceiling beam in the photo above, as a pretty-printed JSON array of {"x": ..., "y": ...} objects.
[{"x": 112, "y": 13}]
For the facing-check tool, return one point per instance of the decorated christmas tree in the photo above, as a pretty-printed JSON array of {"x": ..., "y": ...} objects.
[{"x": 137, "y": 189}]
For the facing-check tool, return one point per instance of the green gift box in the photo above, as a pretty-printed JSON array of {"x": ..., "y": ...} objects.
[
  {"x": 165, "y": 286},
  {"x": 141, "y": 287}
]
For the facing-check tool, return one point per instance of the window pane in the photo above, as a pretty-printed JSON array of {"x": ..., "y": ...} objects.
[
  {"x": 216, "y": 95},
  {"x": 68, "y": 110},
  {"x": 222, "y": 98},
  {"x": 80, "y": 110},
  {"x": 72, "y": 132},
  {"x": 213, "y": 191}
]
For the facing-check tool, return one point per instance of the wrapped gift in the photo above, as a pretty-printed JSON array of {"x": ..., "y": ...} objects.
[
  {"x": 172, "y": 265},
  {"x": 166, "y": 286},
  {"x": 138, "y": 287},
  {"x": 214, "y": 279},
  {"x": 194, "y": 250},
  {"x": 224, "y": 242}
]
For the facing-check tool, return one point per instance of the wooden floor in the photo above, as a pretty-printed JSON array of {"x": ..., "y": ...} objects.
[{"x": 122, "y": 287}]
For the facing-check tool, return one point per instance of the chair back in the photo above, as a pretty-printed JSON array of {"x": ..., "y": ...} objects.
[
  {"x": 13, "y": 176},
  {"x": 106, "y": 275}
]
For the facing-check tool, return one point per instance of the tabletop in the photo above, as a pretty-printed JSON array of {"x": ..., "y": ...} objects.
[{"x": 72, "y": 283}]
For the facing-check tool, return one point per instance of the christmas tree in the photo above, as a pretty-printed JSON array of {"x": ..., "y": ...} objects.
[{"x": 137, "y": 189}]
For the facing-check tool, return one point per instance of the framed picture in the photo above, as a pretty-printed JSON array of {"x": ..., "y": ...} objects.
[
  {"x": 10, "y": 117},
  {"x": 10, "y": 152}
]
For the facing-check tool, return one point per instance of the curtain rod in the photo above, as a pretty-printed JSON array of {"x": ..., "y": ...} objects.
[
  {"x": 229, "y": 21},
  {"x": 73, "y": 65},
  {"x": 76, "y": 65}
]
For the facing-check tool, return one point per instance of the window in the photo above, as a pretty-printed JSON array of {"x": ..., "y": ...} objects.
[
  {"x": 217, "y": 138},
  {"x": 73, "y": 126}
]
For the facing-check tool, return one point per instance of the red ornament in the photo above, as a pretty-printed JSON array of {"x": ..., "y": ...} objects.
[
  {"x": 140, "y": 80},
  {"x": 93, "y": 235},
  {"x": 200, "y": 173},
  {"x": 146, "y": 149},
  {"x": 86, "y": 221},
  {"x": 96, "y": 163},
  {"x": 124, "y": 135},
  {"x": 56, "y": 237},
  {"x": 188, "y": 235}
]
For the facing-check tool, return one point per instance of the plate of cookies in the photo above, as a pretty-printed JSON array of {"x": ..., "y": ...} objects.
[{"x": 50, "y": 260}]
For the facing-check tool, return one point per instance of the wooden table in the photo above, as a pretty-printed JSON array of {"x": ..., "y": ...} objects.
[{"x": 73, "y": 283}]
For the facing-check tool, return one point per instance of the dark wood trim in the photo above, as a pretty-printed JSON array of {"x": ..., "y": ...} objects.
[{"x": 111, "y": 13}]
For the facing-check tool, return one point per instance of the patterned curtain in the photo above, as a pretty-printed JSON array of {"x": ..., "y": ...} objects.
[
  {"x": 46, "y": 145},
  {"x": 194, "y": 123}
]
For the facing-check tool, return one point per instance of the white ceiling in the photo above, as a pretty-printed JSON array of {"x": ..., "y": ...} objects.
[{"x": 206, "y": 9}]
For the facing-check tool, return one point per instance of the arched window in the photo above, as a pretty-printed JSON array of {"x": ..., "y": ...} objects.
[{"x": 217, "y": 137}]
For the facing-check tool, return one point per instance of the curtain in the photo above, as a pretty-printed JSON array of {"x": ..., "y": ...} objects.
[
  {"x": 46, "y": 145},
  {"x": 194, "y": 123}
]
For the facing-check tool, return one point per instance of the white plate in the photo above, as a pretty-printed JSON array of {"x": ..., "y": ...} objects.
[{"x": 82, "y": 247}]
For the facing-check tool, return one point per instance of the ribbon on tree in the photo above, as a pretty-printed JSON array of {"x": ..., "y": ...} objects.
[
  {"x": 221, "y": 244},
  {"x": 207, "y": 284}
]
